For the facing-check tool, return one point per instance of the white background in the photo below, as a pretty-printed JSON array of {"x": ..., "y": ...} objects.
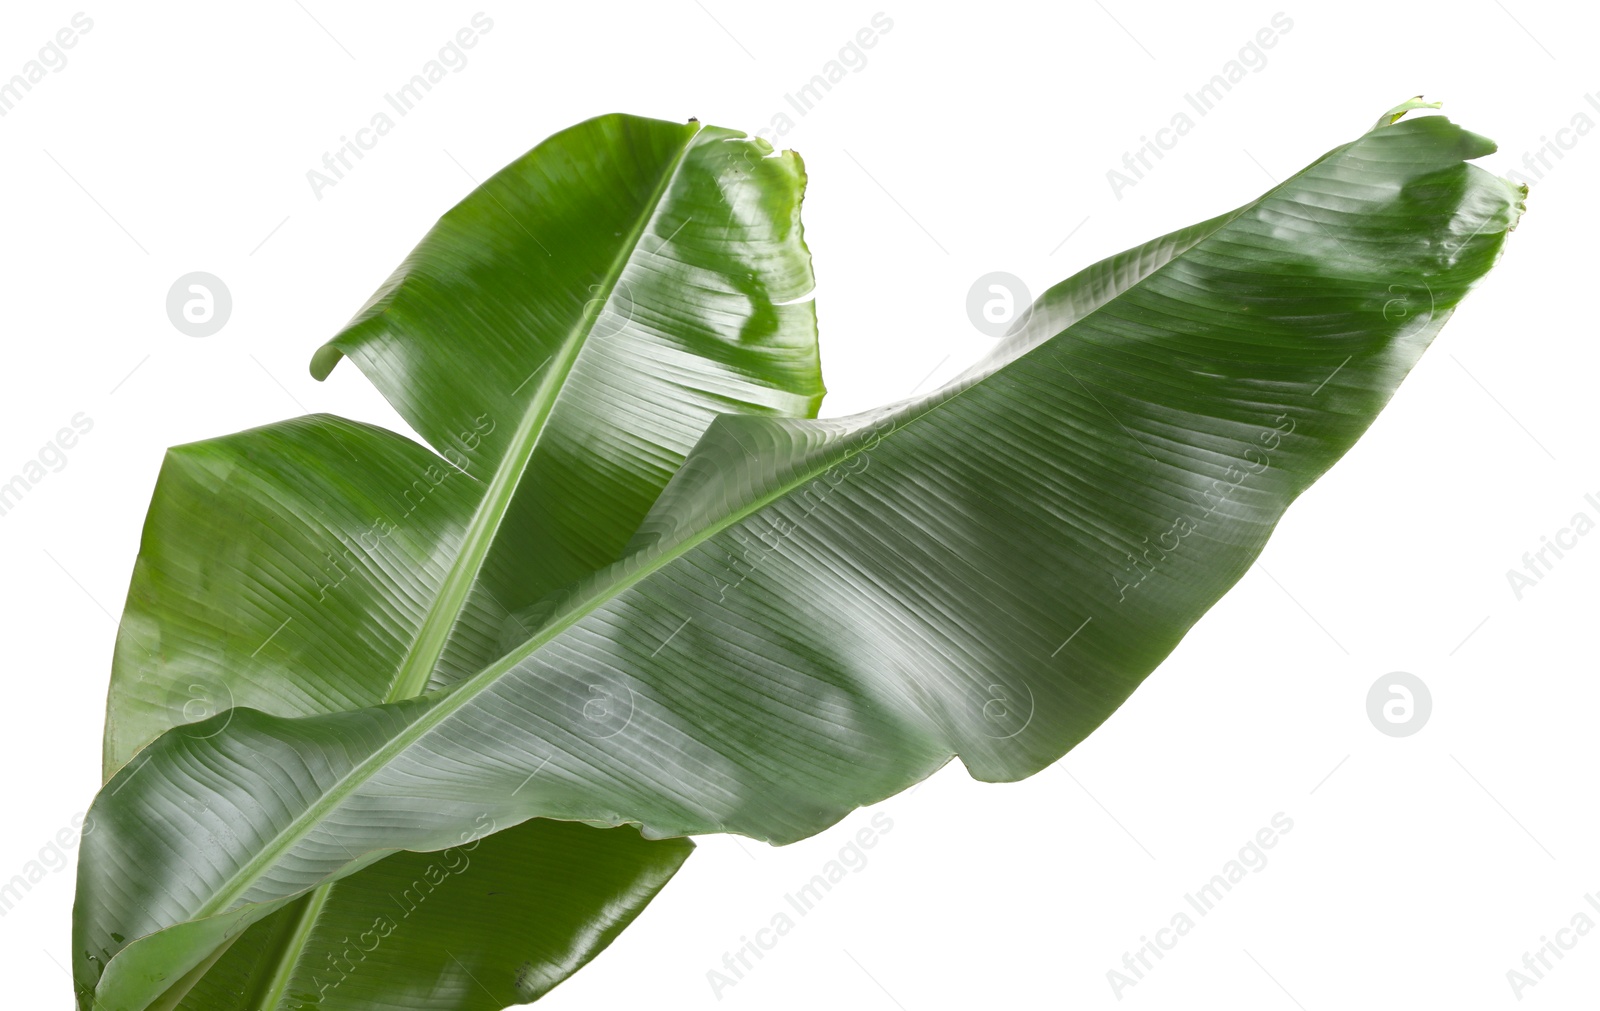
[{"x": 1419, "y": 869}]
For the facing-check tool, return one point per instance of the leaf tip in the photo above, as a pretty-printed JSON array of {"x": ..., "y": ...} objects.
[
  {"x": 1410, "y": 104},
  {"x": 324, "y": 360}
]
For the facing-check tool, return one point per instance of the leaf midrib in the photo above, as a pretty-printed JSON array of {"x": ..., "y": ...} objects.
[
  {"x": 469, "y": 689},
  {"x": 307, "y": 912},
  {"x": 428, "y": 644}
]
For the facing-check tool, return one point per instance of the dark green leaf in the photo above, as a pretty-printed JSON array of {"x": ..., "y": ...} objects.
[
  {"x": 319, "y": 565},
  {"x": 819, "y": 613}
]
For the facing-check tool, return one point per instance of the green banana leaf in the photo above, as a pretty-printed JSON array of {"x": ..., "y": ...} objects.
[
  {"x": 562, "y": 337},
  {"x": 817, "y": 614}
]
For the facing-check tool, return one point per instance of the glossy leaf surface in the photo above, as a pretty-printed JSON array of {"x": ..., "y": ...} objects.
[
  {"x": 817, "y": 614},
  {"x": 319, "y": 565}
]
